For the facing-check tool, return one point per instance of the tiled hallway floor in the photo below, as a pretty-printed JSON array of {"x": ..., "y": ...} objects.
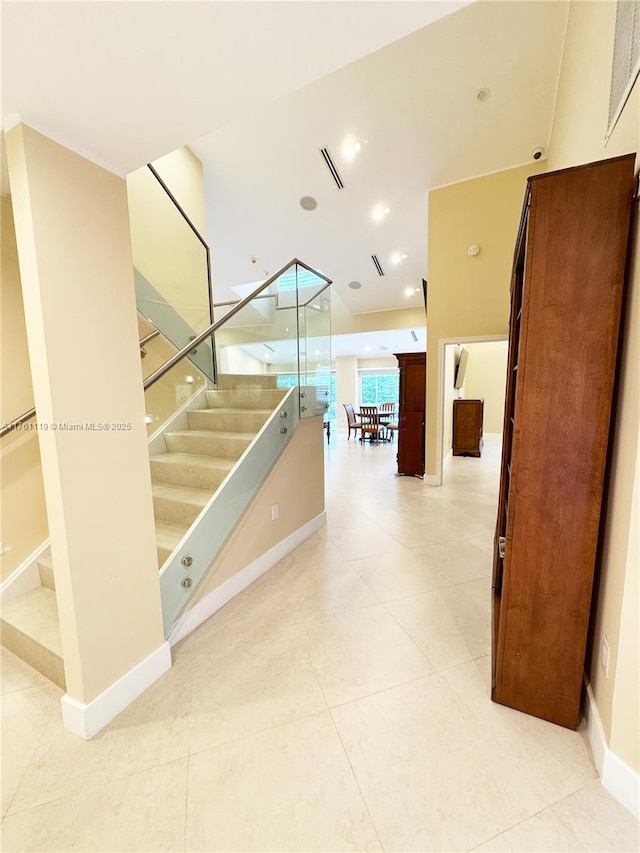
[{"x": 340, "y": 703}]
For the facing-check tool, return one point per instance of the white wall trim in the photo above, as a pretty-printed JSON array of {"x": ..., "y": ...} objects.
[
  {"x": 86, "y": 720},
  {"x": 436, "y": 479},
  {"x": 620, "y": 780},
  {"x": 24, "y": 578},
  {"x": 227, "y": 590}
]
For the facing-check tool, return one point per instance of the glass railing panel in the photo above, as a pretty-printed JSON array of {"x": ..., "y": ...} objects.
[
  {"x": 285, "y": 330},
  {"x": 171, "y": 266},
  {"x": 314, "y": 299},
  {"x": 174, "y": 390},
  {"x": 190, "y": 562}
]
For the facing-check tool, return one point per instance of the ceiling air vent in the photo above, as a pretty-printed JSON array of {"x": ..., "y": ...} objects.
[
  {"x": 377, "y": 264},
  {"x": 414, "y": 336},
  {"x": 332, "y": 168}
]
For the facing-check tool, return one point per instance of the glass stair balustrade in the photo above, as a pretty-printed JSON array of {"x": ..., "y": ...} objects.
[
  {"x": 172, "y": 269},
  {"x": 212, "y": 459}
]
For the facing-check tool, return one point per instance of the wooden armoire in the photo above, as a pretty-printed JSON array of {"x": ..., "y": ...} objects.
[
  {"x": 566, "y": 297},
  {"x": 411, "y": 412}
]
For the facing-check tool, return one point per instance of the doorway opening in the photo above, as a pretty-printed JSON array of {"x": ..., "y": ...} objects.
[{"x": 482, "y": 377}]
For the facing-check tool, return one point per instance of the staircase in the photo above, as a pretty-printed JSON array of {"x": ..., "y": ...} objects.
[
  {"x": 199, "y": 458},
  {"x": 184, "y": 479},
  {"x": 30, "y": 627}
]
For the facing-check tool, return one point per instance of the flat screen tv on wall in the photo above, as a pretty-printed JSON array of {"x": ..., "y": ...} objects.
[{"x": 461, "y": 367}]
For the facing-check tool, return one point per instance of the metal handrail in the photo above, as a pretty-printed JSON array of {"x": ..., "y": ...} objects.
[
  {"x": 149, "y": 337},
  {"x": 16, "y": 422},
  {"x": 186, "y": 350},
  {"x": 31, "y": 413},
  {"x": 210, "y": 330},
  {"x": 275, "y": 295}
]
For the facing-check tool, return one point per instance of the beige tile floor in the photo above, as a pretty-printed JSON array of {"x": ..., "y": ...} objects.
[{"x": 340, "y": 703}]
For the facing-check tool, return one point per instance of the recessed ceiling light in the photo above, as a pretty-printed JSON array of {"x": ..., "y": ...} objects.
[
  {"x": 398, "y": 257},
  {"x": 367, "y": 348},
  {"x": 409, "y": 291},
  {"x": 355, "y": 285},
  {"x": 308, "y": 202},
  {"x": 483, "y": 94},
  {"x": 379, "y": 212},
  {"x": 350, "y": 149}
]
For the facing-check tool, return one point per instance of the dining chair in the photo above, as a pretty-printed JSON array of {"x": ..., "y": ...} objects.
[
  {"x": 370, "y": 423},
  {"x": 352, "y": 421},
  {"x": 387, "y": 415}
]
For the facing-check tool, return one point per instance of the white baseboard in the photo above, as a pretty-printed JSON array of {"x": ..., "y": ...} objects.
[
  {"x": 86, "y": 720},
  {"x": 24, "y": 578},
  {"x": 431, "y": 480},
  {"x": 618, "y": 778},
  {"x": 242, "y": 579}
]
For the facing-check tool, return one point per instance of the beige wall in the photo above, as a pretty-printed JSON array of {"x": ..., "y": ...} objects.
[
  {"x": 343, "y": 322},
  {"x": 181, "y": 171},
  {"x": 469, "y": 296},
  {"x": 347, "y": 389},
  {"x": 300, "y": 498},
  {"x": 578, "y": 137},
  {"x": 165, "y": 249},
  {"x": 23, "y": 517},
  {"x": 75, "y": 260},
  {"x": 486, "y": 377}
]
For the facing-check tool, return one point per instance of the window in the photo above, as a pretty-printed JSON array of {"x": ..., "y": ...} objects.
[{"x": 379, "y": 386}]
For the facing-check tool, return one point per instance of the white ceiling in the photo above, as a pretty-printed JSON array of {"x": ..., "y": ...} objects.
[
  {"x": 126, "y": 82},
  {"x": 414, "y": 102},
  {"x": 269, "y": 83}
]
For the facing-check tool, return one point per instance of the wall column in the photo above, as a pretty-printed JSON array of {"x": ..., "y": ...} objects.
[
  {"x": 346, "y": 386},
  {"x": 75, "y": 259}
]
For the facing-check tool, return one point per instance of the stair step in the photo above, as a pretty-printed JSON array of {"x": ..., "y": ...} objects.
[
  {"x": 190, "y": 469},
  {"x": 231, "y": 381},
  {"x": 167, "y": 538},
  {"x": 240, "y": 420},
  {"x": 246, "y": 399},
  {"x": 178, "y": 504},
  {"x": 45, "y": 569},
  {"x": 30, "y": 629},
  {"x": 227, "y": 445}
]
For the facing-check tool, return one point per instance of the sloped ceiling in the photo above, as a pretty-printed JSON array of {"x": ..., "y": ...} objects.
[
  {"x": 257, "y": 88},
  {"x": 125, "y": 82},
  {"x": 413, "y": 107}
]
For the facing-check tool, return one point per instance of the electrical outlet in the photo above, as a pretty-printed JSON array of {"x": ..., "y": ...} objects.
[
  {"x": 275, "y": 511},
  {"x": 604, "y": 657}
]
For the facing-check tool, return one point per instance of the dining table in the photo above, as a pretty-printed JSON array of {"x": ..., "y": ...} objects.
[{"x": 384, "y": 418}]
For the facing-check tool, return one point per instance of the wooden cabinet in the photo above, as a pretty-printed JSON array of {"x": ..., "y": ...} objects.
[
  {"x": 467, "y": 427},
  {"x": 566, "y": 297},
  {"x": 411, "y": 412}
]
